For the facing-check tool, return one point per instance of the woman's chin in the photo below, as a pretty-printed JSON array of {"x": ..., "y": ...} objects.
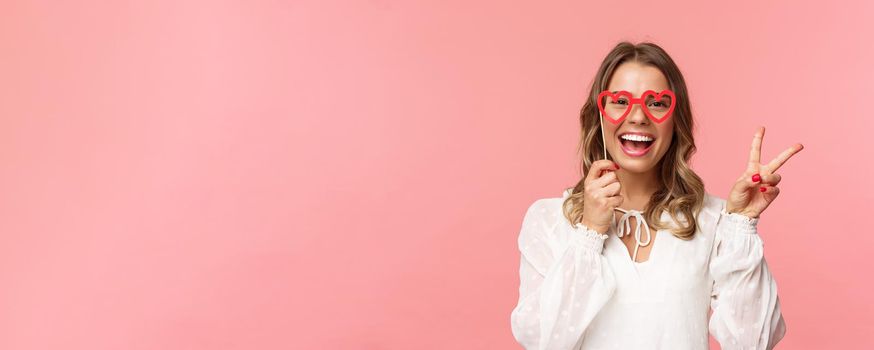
[
  {"x": 635, "y": 164},
  {"x": 638, "y": 163},
  {"x": 633, "y": 167}
]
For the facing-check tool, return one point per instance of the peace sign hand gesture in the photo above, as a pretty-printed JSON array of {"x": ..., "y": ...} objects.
[{"x": 747, "y": 196}]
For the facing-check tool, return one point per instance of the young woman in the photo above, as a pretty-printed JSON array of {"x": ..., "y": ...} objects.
[{"x": 588, "y": 281}]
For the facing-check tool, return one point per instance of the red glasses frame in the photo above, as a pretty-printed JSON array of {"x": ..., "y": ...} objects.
[{"x": 639, "y": 101}]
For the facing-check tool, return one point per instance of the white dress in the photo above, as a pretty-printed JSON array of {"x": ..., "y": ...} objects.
[{"x": 581, "y": 290}]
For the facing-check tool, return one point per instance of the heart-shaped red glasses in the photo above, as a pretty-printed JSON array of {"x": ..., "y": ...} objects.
[{"x": 616, "y": 106}]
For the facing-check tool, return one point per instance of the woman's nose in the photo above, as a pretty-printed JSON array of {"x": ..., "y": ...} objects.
[{"x": 637, "y": 116}]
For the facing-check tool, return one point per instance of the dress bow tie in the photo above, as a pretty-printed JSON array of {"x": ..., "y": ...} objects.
[{"x": 624, "y": 228}]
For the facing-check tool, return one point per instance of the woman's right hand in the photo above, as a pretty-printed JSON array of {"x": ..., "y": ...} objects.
[{"x": 601, "y": 195}]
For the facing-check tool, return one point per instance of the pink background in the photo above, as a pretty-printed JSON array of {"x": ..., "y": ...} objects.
[{"x": 327, "y": 175}]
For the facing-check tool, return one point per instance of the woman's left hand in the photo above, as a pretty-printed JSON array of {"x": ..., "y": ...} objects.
[{"x": 746, "y": 196}]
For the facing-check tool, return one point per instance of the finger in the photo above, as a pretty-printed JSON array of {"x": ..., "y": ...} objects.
[
  {"x": 771, "y": 179},
  {"x": 606, "y": 179},
  {"x": 611, "y": 190},
  {"x": 770, "y": 192},
  {"x": 598, "y": 167},
  {"x": 756, "y": 146},
  {"x": 776, "y": 163},
  {"x": 615, "y": 201}
]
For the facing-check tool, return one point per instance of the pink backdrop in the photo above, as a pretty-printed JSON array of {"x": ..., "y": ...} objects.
[{"x": 327, "y": 175}]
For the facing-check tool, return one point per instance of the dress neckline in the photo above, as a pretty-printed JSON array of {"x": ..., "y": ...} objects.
[
  {"x": 622, "y": 227},
  {"x": 654, "y": 252}
]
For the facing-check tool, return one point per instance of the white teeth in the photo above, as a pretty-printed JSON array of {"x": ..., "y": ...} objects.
[{"x": 632, "y": 137}]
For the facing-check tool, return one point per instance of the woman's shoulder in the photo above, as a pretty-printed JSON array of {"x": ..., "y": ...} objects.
[
  {"x": 548, "y": 211},
  {"x": 712, "y": 205}
]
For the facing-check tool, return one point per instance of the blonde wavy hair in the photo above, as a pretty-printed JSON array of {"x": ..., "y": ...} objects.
[{"x": 682, "y": 191}]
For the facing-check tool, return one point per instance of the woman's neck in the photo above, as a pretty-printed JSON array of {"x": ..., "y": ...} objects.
[{"x": 637, "y": 188}]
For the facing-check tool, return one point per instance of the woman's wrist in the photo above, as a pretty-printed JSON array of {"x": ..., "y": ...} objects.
[
  {"x": 600, "y": 229},
  {"x": 739, "y": 211},
  {"x": 740, "y": 221}
]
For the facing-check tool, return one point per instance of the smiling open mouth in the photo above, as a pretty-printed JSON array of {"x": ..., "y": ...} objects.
[{"x": 636, "y": 144}]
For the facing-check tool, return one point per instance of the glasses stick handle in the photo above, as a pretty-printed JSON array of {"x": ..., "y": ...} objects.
[{"x": 601, "y": 120}]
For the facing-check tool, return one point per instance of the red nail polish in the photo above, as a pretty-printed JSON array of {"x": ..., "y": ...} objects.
[
  {"x": 762, "y": 189},
  {"x": 757, "y": 178},
  {"x": 617, "y": 165}
]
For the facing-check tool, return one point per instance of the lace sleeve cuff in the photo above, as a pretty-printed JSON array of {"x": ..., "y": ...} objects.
[
  {"x": 587, "y": 238},
  {"x": 740, "y": 223}
]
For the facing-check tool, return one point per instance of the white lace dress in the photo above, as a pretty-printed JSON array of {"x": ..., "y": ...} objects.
[{"x": 581, "y": 290}]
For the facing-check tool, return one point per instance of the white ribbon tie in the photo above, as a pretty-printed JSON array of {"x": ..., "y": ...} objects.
[{"x": 624, "y": 228}]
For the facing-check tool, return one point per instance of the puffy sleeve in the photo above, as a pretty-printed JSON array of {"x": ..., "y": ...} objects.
[
  {"x": 746, "y": 309},
  {"x": 564, "y": 281}
]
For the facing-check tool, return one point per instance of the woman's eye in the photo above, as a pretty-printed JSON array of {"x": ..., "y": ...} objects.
[{"x": 620, "y": 102}]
